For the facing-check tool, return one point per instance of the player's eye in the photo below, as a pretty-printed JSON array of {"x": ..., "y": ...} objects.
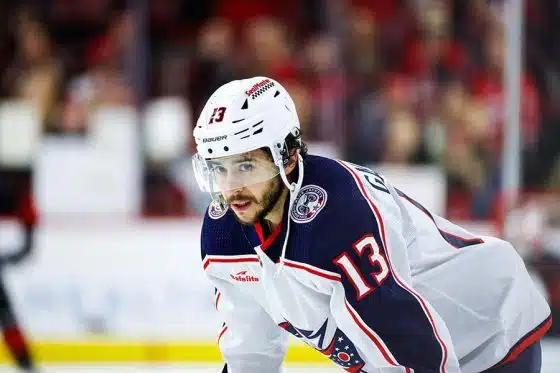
[
  {"x": 246, "y": 167},
  {"x": 218, "y": 169}
]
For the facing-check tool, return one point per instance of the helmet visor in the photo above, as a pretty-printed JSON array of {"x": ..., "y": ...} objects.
[{"x": 224, "y": 174}]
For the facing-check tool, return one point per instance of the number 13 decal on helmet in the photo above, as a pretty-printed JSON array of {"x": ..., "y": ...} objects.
[{"x": 217, "y": 115}]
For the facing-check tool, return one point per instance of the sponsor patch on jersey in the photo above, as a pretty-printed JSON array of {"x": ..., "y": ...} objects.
[
  {"x": 243, "y": 277},
  {"x": 309, "y": 202},
  {"x": 215, "y": 211}
]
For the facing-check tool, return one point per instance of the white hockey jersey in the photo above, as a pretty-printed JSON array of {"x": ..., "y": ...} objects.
[{"x": 371, "y": 279}]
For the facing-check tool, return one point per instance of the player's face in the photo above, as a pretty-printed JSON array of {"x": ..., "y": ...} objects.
[{"x": 252, "y": 201}]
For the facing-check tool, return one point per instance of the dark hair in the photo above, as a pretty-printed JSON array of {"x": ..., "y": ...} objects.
[{"x": 294, "y": 142}]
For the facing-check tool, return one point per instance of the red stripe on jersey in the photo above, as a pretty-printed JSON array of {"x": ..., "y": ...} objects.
[
  {"x": 384, "y": 241},
  {"x": 310, "y": 269},
  {"x": 265, "y": 243},
  {"x": 464, "y": 239},
  {"x": 222, "y": 333},
  {"x": 218, "y": 299},
  {"x": 259, "y": 230},
  {"x": 526, "y": 341},
  {"x": 208, "y": 260}
]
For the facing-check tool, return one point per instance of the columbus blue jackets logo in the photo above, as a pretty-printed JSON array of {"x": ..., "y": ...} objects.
[
  {"x": 216, "y": 211},
  {"x": 309, "y": 202}
]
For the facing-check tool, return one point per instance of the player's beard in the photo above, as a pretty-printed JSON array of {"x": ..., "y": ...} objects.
[{"x": 265, "y": 205}]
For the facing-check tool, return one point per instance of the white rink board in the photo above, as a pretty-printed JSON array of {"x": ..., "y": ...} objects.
[
  {"x": 126, "y": 279},
  {"x": 140, "y": 279}
]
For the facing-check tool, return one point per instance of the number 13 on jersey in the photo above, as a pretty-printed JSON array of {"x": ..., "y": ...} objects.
[{"x": 380, "y": 269}]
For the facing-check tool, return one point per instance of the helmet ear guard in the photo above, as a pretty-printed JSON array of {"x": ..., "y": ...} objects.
[
  {"x": 285, "y": 154},
  {"x": 292, "y": 142}
]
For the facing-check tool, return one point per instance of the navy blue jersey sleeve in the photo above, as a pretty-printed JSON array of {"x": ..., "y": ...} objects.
[{"x": 353, "y": 243}]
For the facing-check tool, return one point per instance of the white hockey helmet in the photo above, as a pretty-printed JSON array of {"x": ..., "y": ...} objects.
[{"x": 241, "y": 116}]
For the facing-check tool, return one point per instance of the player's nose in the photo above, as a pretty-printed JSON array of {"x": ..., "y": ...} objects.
[
  {"x": 232, "y": 187},
  {"x": 228, "y": 183}
]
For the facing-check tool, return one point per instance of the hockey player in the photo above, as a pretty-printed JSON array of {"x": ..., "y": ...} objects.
[
  {"x": 16, "y": 202},
  {"x": 332, "y": 253}
]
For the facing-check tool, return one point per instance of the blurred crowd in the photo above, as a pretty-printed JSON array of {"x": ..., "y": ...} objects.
[{"x": 385, "y": 81}]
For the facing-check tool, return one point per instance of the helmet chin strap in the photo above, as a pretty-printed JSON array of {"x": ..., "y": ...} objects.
[{"x": 294, "y": 190}]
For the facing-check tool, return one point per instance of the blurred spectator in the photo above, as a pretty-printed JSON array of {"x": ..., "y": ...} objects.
[
  {"x": 434, "y": 57},
  {"x": 366, "y": 102},
  {"x": 304, "y": 104},
  {"x": 103, "y": 84},
  {"x": 173, "y": 76},
  {"x": 320, "y": 68},
  {"x": 318, "y": 63},
  {"x": 394, "y": 23},
  {"x": 391, "y": 81},
  {"x": 362, "y": 58},
  {"x": 368, "y": 113},
  {"x": 243, "y": 12},
  {"x": 34, "y": 75},
  {"x": 215, "y": 60},
  {"x": 462, "y": 122},
  {"x": 163, "y": 197},
  {"x": 488, "y": 89},
  {"x": 216, "y": 40},
  {"x": 403, "y": 138},
  {"x": 267, "y": 51}
]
